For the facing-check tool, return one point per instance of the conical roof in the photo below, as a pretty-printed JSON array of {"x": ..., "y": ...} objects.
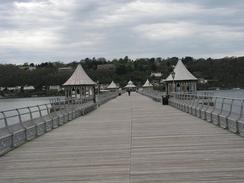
[
  {"x": 112, "y": 85},
  {"x": 79, "y": 77},
  {"x": 181, "y": 73},
  {"x": 130, "y": 85},
  {"x": 147, "y": 84}
]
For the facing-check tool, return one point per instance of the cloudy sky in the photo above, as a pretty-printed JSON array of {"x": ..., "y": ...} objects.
[{"x": 67, "y": 30}]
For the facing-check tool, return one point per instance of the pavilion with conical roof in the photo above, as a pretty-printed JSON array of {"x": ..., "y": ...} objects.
[
  {"x": 180, "y": 80},
  {"x": 147, "y": 84},
  {"x": 112, "y": 86},
  {"x": 79, "y": 85},
  {"x": 130, "y": 86}
]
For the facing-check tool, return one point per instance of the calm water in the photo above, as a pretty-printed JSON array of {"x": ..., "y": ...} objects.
[
  {"x": 6, "y": 104},
  {"x": 227, "y": 104},
  {"x": 230, "y": 93}
]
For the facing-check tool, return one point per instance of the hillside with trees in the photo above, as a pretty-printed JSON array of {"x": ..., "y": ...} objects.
[{"x": 223, "y": 73}]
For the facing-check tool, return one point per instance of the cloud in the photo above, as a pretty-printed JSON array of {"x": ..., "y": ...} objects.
[
  {"x": 64, "y": 30},
  {"x": 165, "y": 31},
  {"x": 136, "y": 11},
  {"x": 168, "y": 31}
]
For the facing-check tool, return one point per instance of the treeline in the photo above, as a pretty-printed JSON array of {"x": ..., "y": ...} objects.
[{"x": 224, "y": 73}]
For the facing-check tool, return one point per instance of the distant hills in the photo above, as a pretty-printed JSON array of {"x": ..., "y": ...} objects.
[{"x": 226, "y": 72}]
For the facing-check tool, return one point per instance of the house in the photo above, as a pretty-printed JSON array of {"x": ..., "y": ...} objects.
[
  {"x": 156, "y": 74},
  {"x": 27, "y": 68},
  {"x": 65, "y": 69},
  {"x": 106, "y": 67},
  {"x": 28, "y": 88},
  {"x": 202, "y": 81},
  {"x": 55, "y": 87}
]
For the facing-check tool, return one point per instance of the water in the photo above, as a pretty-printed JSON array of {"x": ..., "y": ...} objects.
[
  {"x": 224, "y": 93},
  {"x": 230, "y": 93},
  {"x": 228, "y": 104},
  {"x": 13, "y": 103}
]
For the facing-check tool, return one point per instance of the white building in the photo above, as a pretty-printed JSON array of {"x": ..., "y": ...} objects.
[
  {"x": 55, "y": 87},
  {"x": 112, "y": 86},
  {"x": 180, "y": 80},
  {"x": 28, "y": 88},
  {"x": 147, "y": 84},
  {"x": 79, "y": 85},
  {"x": 156, "y": 74},
  {"x": 130, "y": 86}
]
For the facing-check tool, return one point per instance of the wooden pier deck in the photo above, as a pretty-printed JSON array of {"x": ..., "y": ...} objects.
[{"x": 129, "y": 139}]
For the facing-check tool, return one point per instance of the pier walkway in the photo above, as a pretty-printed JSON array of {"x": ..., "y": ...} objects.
[{"x": 129, "y": 139}]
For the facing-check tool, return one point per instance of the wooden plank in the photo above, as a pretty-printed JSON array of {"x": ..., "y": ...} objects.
[{"x": 129, "y": 139}]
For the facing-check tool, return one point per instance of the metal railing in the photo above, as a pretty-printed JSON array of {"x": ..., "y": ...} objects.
[
  {"x": 154, "y": 94},
  {"x": 20, "y": 125},
  {"x": 11, "y": 117},
  {"x": 225, "y": 112},
  {"x": 104, "y": 97}
]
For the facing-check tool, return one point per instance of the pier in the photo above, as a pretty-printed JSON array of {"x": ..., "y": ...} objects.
[{"x": 129, "y": 139}]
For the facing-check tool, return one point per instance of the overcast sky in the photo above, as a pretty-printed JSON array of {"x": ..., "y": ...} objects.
[{"x": 66, "y": 30}]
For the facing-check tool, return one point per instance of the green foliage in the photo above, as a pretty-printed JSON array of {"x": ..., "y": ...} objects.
[{"x": 225, "y": 73}]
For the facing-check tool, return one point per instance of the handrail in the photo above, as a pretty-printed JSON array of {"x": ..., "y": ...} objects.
[
  {"x": 154, "y": 94},
  {"x": 20, "y": 125},
  {"x": 45, "y": 109},
  {"x": 181, "y": 93},
  {"x": 226, "y": 112},
  {"x": 16, "y": 113},
  {"x": 226, "y": 105}
]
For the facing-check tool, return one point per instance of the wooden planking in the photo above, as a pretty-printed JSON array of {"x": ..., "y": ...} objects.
[
  {"x": 93, "y": 148},
  {"x": 129, "y": 139},
  {"x": 172, "y": 146}
]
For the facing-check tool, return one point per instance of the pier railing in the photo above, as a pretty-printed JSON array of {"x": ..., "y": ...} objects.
[
  {"x": 20, "y": 125},
  {"x": 153, "y": 94},
  {"x": 225, "y": 112},
  {"x": 104, "y": 97}
]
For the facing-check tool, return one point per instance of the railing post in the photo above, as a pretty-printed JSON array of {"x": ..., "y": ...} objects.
[
  {"x": 31, "y": 116},
  {"x": 203, "y": 101},
  {"x": 214, "y": 104},
  {"x": 48, "y": 111},
  {"x": 197, "y": 104},
  {"x": 193, "y": 100},
  {"x": 222, "y": 105},
  {"x": 6, "y": 121},
  {"x": 20, "y": 119},
  {"x": 39, "y": 109},
  {"x": 241, "y": 111},
  {"x": 231, "y": 106},
  {"x": 209, "y": 100}
]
